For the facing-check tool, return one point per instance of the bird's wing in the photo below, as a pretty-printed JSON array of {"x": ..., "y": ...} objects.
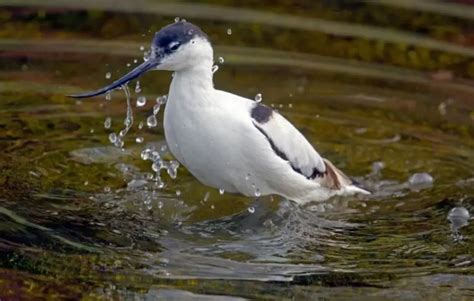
[{"x": 287, "y": 142}]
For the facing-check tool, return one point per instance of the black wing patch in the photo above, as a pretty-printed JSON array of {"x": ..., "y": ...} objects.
[
  {"x": 261, "y": 114},
  {"x": 315, "y": 173}
]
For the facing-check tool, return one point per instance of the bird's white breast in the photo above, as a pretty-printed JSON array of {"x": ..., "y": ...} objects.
[{"x": 202, "y": 129}]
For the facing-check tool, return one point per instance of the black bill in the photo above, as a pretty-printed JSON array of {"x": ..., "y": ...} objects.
[{"x": 139, "y": 70}]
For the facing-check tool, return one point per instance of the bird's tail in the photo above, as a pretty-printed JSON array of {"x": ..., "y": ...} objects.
[{"x": 336, "y": 179}]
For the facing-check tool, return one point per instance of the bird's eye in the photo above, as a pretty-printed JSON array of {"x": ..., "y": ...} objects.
[{"x": 174, "y": 46}]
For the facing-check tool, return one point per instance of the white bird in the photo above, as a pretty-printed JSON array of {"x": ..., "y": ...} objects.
[{"x": 226, "y": 141}]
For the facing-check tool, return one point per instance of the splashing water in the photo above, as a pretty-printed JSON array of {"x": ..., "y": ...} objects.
[
  {"x": 108, "y": 123},
  {"x": 141, "y": 101},
  {"x": 151, "y": 121},
  {"x": 118, "y": 140},
  {"x": 458, "y": 217},
  {"x": 214, "y": 68},
  {"x": 138, "y": 89},
  {"x": 162, "y": 99},
  {"x": 156, "y": 108},
  {"x": 258, "y": 97},
  {"x": 172, "y": 169},
  {"x": 220, "y": 60},
  {"x": 112, "y": 138}
]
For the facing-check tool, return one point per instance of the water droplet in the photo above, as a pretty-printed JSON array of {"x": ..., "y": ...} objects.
[
  {"x": 214, "y": 68},
  {"x": 290, "y": 105},
  {"x": 156, "y": 166},
  {"x": 257, "y": 192},
  {"x": 137, "y": 87},
  {"x": 459, "y": 217},
  {"x": 145, "y": 154},
  {"x": 92, "y": 131},
  {"x": 108, "y": 75},
  {"x": 229, "y": 31},
  {"x": 221, "y": 60},
  {"x": 155, "y": 157},
  {"x": 107, "y": 189},
  {"x": 146, "y": 55},
  {"x": 151, "y": 121},
  {"x": 160, "y": 204},
  {"x": 139, "y": 140},
  {"x": 112, "y": 137},
  {"x": 173, "y": 169},
  {"x": 108, "y": 96},
  {"x": 86, "y": 183},
  {"x": 107, "y": 122},
  {"x": 135, "y": 61},
  {"x": 162, "y": 99},
  {"x": 141, "y": 101},
  {"x": 258, "y": 97},
  {"x": 251, "y": 209},
  {"x": 177, "y": 19},
  {"x": 164, "y": 148},
  {"x": 206, "y": 197},
  {"x": 128, "y": 65},
  {"x": 213, "y": 207},
  {"x": 140, "y": 125},
  {"x": 156, "y": 108},
  {"x": 221, "y": 191},
  {"x": 142, "y": 48},
  {"x": 420, "y": 179},
  {"x": 178, "y": 192}
]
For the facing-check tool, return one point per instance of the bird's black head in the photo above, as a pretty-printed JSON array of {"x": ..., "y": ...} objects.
[
  {"x": 171, "y": 37},
  {"x": 175, "y": 47}
]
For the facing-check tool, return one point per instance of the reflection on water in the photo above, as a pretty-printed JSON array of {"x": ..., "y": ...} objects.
[{"x": 390, "y": 105}]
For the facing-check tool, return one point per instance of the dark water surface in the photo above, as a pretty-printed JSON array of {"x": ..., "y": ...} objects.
[{"x": 384, "y": 89}]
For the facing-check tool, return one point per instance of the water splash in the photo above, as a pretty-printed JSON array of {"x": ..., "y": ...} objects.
[
  {"x": 214, "y": 68},
  {"x": 458, "y": 217},
  {"x": 220, "y": 60},
  {"x": 151, "y": 121},
  {"x": 138, "y": 89},
  {"x": 141, "y": 101},
  {"x": 172, "y": 169},
  {"x": 107, "y": 123},
  {"x": 420, "y": 179},
  {"x": 258, "y": 97}
]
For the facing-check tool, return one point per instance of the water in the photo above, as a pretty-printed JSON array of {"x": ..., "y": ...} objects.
[{"x": 82, "y": 218}]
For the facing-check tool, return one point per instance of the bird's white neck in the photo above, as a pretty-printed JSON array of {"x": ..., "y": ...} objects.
[{"x": 194, "y": 80}]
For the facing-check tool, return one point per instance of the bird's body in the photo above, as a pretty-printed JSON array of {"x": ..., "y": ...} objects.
[{"x": 230, "y": 142}]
